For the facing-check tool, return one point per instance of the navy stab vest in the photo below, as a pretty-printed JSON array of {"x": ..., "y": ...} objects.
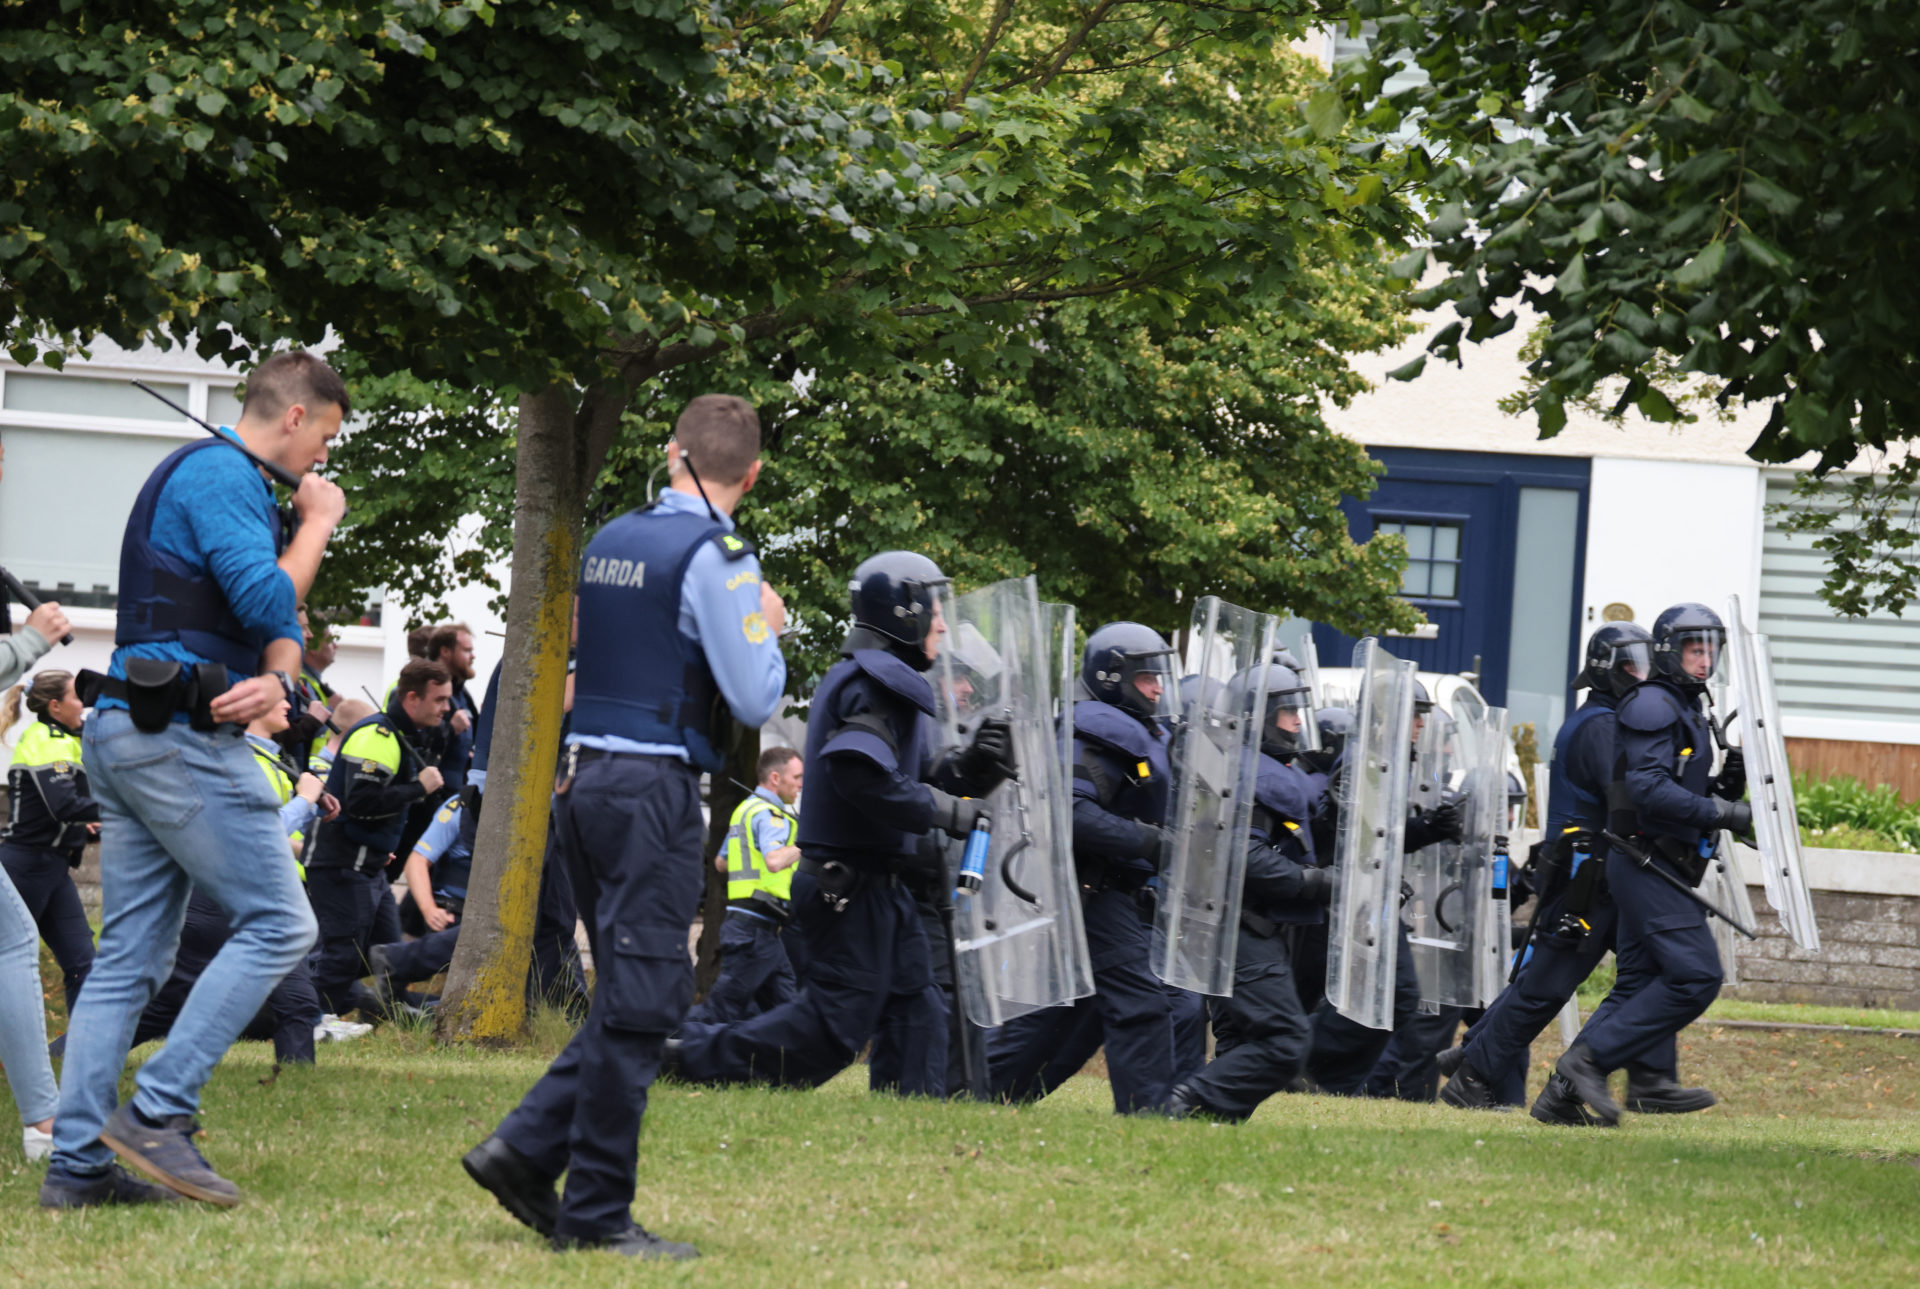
[
  {"x": 1284, "y": 794},
  {"x": 1127, "y": 765},
  {"x": 1657, "y": 710},
  {"x": 1570, "y": 804},
  {"x": 380, "y": 837},
  {"x": 875, "y": 706},
  {"x": 638, "y": 677},
  {"x": 163, "y": 601}
]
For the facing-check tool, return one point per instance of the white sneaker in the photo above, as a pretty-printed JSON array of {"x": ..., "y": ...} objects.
[
  {"x": 38, "y": 1145},
  {"x": 332, "y": 1029}
]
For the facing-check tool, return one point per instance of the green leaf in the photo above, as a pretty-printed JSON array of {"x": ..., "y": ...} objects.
[
  {"x": 1772, "y": 196},
  {"x": 1687, "y": 106},
  {"x": 1765, "y": 253},
  {"x": 211, "y": 102},
  {"x": 1449, "y": 223},
  {"x": 1407, "y": 371},
  {"x": 1656, "y": 406},
  {"x": 1573, "y": 278},
  {"x": 1326, "y": 112},
  {"x": 1702, "y": 268},
  {"x": 1490, "y": 104},
  {"x": 1591, "y": 227}
]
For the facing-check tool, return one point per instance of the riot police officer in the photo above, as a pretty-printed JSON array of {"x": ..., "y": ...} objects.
[
  {"x": 1666, "y": 804},
  {"x": 1261, "y": 1032},
  {"x": 675, "y": 586},
  {"x": 1121, "y": 782},
  {"x": 873, "y": 790}
]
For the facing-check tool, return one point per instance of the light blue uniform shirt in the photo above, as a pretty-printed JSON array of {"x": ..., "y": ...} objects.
[{"x": 715, "y": 598}]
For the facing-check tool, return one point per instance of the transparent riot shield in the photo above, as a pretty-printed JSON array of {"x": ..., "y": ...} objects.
[
  {"x": 1441, "y": 920},
  {"x": 1017, "y": 946},
  {"x": 1310, "y": 668},
  {"x": 1484, "y": 845},
  {"x": 1061, "y": 624},
  {"x": 1362, "y": 940},
  {"x": 1776, "y": 824},
  {"x": 1724, "y": 888},
  {"x": 1216, "y": 757}
]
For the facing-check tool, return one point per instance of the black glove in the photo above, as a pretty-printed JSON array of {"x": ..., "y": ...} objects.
[
  {"x": 989, "y": 760},
  {"x": 1444, "y": 820},
  {"x": 1731, "y": 782},
  {"x": 955, "y": 816},
  {"x": 1735, "y": 816},
  {"x": 1316, "y": 884},
  {"x": 1156, "y": 844}
]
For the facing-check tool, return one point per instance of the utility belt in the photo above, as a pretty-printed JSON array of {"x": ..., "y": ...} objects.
[
  {"x": 840, "y": 881},
  {"x": 154, "y": 690},
  {"x": 574, "y": 755},
  {"x": 1098, "y": 876},
  {"x": 1686, "y": 860},
  {"x": 764, "y": 904},
  {"x": 361, "y": 859},
  {"x": 1264, "y": 927}
]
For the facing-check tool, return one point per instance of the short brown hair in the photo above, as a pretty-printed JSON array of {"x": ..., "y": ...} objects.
[
  {"x": 721, "y": 433},
  {"x": 421, "y": 674},
  {"x": 417, "y": 641},
  {"x": 295, "y": 376},
  {"x": 446, "y": 637},
  {"x": 774, "y": 758}
]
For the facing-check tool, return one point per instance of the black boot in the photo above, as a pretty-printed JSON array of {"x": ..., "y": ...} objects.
[
  {"x": 1664, "y": 1096},
  {"x": 1589, "y": 1082},
  {"x": 1467, "y": 1090},
  {"x": 670, "y": 1057},
  {"x": 512, "y": 1179},
  {"x": 1559, "y": 1104},
  {"x": 1448, "y": 1062},
  {"x": 1183, "y": 1103}
]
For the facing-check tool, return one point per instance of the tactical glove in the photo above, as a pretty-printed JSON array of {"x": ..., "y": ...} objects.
[
  {"x": 989, "y": 760},
  {"x": 1447, "y": 819},
  {"x": 1156, "y": 844},
  {"x": 1731, "y": 782},
  {"x": 955, "y": 816},
  {"x": 1735, "y": 816},
  {"x": 1316, "y": 884}
]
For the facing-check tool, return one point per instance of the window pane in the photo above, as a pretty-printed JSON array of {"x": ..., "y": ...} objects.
[
  {"x": 46, "y": 470},
  {"x": 222, "y": 407},
  {"x": 1414, "y": 580},
  {"x": 1446, "y": 541},
  {"x": 90, "y": 396},
  {"x": 1446, "y": 579},
  {"x": 1419, "y": 541},
  {"x": 1388, "y": 528}
]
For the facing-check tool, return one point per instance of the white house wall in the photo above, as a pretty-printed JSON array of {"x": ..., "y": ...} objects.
[{"x": 1660, "y": 532}]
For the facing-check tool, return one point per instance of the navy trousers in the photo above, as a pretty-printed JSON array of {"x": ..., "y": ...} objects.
[
  {"x": 1345, "y": 1051},
  {"x": 632, "y": 838},
  {"x": 1129, "y": 1013},
  {"x": 292, "y": 1009},
  {"x": 1499, "y": 1042},
  {"x": 867, "y": 971},
  {"x": 755, "y": 975},
  {"x": 1409, "y": 1069},
  {"x": 45, "y": 883},
  {"x": 1261, "y": 1033},
  {"x": 913, "y": 1054},
  {"x": 347, "y": 906},
  {"x": 1188, "y": 1012},
  {"x": 422, "y": 959},
  {"x": 1668, "y": 970}
]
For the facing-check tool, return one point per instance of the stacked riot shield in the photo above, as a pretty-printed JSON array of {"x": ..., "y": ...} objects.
[
  {"x": 1776, "y": 824},
  {"x": 1061, "y": 626},
  {"x": 1725, "y": 889},
  {"x": 1310, "y": 670},
  {"x": 1441, "y": 922},
  {"x": 1363, "y": 941},
  {"x": 1216, "y": 759},
  {"x": 1484, "y": 833},
  {"x": 1017, "y": 946}
]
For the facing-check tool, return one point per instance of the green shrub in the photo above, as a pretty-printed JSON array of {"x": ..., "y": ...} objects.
[
  {"x": 1847, "y": 837},
  {"x": 1845, "y": 802}
]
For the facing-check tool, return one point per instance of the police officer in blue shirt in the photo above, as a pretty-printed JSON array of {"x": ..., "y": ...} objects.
[
  {"x": 1261, "y": 1033},
  {"x": 1666, "y": 803},
  {"x": 207, "y": 639},
  {"x": 678, "y": 641},
  {"x": 1121, "y": 784},
  {"x": 874, "y": 789}
]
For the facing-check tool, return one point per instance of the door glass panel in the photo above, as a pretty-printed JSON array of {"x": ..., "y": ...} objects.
[
  {"x": 1414, "y": 581},
  {"x": 1546, "y": 543},
  {"x": 1445, "y": 577},
  {"x": 1446, "y": 541},
  {"x": 1419, "y": 541}
]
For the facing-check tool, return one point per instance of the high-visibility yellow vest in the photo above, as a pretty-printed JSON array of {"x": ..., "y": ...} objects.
[
  {"x": 282, "y": 784},
  {"x": 746, "y": 864}
]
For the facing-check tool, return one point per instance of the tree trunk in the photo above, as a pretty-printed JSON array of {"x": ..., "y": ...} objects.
[
  {"x": 485, "y": 996},
  {"x": 724, "y": 795}
]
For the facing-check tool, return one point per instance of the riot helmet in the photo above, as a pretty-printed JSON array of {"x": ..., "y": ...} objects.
[
  {"x": 1287, "y": 727},
  {"x": 1333, "y": 726},
  {"x": 1619, "y": 656},
  {"x": 1422, "y": 700},
  {"x": 1120, "y": 658},
  {"x": 1284, "y": 656},
  {"x": 896, "y": 597},
  {"x": 1688, "y": 640}
]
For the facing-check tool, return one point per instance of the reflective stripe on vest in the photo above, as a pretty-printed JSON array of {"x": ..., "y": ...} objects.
[{"x": 746, "y": 862}]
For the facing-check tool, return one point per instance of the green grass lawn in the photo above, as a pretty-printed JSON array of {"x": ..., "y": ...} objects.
[{"x": 1807, "y": 1175}]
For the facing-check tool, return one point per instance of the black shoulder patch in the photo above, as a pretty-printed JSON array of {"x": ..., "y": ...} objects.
[{"x": 733, "y": 545}]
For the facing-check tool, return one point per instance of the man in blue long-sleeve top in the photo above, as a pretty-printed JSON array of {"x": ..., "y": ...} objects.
[
  {"x": 874, "y": 789},
  {"x": 208, "y": 639},
  {"x": 1664, "y": 799},
  {"x": 675, "y": 586},
  {"x": 1262, "y": 1033},
  {"x": 1121, "y": 783}
]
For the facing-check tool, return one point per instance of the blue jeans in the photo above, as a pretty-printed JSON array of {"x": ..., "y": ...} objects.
[
  {"x": 179, "y": 809},
  {"x": 23, "y": 1017}
]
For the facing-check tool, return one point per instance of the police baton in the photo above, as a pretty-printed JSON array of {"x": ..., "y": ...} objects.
[
  {"x": 17, "y": 589},
  {"x": 279, "y": 473},
  {"x": 1643, "y": 858}
]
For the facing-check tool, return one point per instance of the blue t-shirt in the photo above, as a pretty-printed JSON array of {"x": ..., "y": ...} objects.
[{"x": 216, "y": 514}]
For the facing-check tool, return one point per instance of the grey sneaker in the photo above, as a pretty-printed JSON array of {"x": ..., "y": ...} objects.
[
  {"x": 166, "y": 1153},
  {"x": 62, "y": 1189}
]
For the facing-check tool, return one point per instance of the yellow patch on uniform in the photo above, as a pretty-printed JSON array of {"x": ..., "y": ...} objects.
[
  {"x": 1290, "y": 824},
  {"x": 745, "y": 577},
  {"x": 370, "y": 766},
  {"x": 1686, "y": 751},
  {"x": 754, "y": 627},
  {"x": 1143, "y": 771},
  {"x": 62, "y": 767}
]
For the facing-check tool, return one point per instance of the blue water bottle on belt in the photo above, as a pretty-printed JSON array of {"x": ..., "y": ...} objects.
[{"x": 973, "y": 862}]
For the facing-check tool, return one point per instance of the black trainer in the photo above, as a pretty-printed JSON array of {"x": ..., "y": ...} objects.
[
  {"x": 166, "y": 1153},
  {"x": 1560, "y": 1105},
  {"x": 634, "y": 1242},
  {"x": 62, "y": 1189},
  {"x": 512, "y": 1179},
  {"x": 1589, "y": 1082},
  {"x": 1664, "y": 1096},
  {"x": 1466, "y": 1090},
  {"x": 1448, "y": 1062}
]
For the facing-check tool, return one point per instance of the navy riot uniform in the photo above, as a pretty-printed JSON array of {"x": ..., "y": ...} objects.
[
  {"x": 1663, "y": 798},
  {"x": 1121, "y": 783}
]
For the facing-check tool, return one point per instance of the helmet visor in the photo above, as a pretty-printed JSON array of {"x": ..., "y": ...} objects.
[
  {"x": 1697, "y": 650},
  {"x": 1149, "y": 675},
  {"x": 1293, "y": 714},
  {"x": 1631, "y": 662}
]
